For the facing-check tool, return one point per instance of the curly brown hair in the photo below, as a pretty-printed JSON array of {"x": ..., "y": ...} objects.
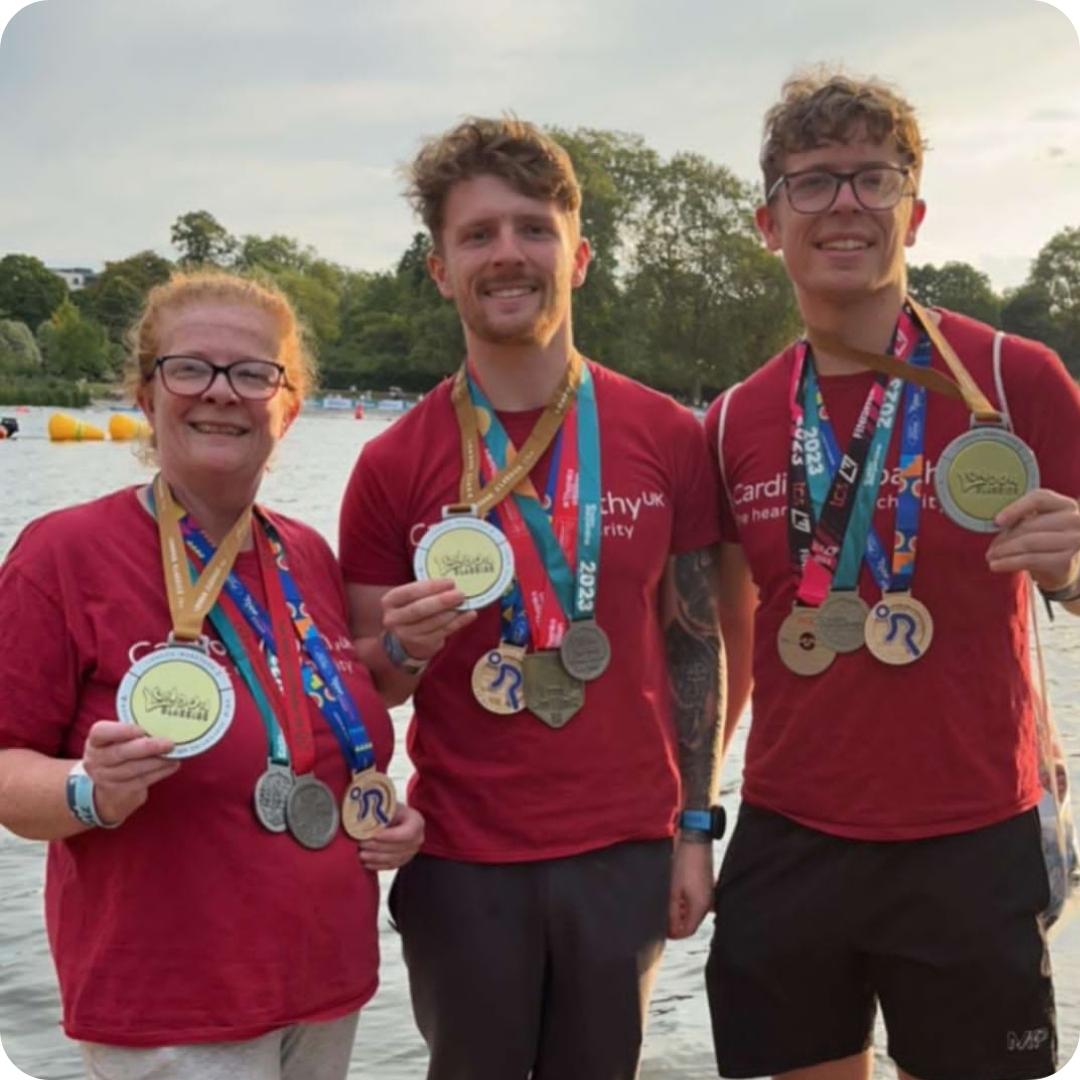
[
  {"x": 510, "y": 149},
  {"x": 821, "y": 106}
]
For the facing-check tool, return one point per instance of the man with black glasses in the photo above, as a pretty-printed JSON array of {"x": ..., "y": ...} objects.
[{"x": 888, "y": 484}]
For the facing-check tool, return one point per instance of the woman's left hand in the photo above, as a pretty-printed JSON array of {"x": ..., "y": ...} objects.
[
  {"x": 1040, "y": 533},
  {"x": 395, "y": 845}
]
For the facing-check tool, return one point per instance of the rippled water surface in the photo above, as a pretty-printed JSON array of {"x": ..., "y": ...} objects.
[{"x": 307, "y": 481}]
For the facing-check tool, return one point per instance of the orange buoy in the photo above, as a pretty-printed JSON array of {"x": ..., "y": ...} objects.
[
  {"x": 123, "y": 428},
  {"x": 358, "y": 412},
  {"x": 64, "y": 428}
]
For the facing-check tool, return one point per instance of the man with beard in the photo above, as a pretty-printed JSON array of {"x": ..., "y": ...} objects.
[{"x": 560, "y": 641}]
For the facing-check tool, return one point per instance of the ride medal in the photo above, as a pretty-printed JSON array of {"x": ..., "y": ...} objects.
[
  {"x": 472, "y": 553},
  {"x": 552, "y": 694},
  {"x": 899, "y": 629},
  {"x": 799, "y": 644},
  {"x": 981, "y": 472},
  {"x": 369, "y": 804},
  {"x": 498, "y": 679},
  {"x": 841, "y": 621},
  {"x": 585, "y": 650},
  {"x": 311, "y": 812},
  {"x": 271, "y": 795}
]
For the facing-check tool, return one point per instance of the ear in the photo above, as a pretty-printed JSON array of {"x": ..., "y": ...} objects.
[
  {"x": 766, "y": 223},
  {"x": 145, "y": 400},
  {"x": 582, "y": 258},
  {"x": 436, "y": 265},
  {"x": 918, "y": 213},
  {"x": 291, "y": 413}
]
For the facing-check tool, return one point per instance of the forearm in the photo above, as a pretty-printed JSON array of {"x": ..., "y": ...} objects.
[{"x": 33, "y": 799}]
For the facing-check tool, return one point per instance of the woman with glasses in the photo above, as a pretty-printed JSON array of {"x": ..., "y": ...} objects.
[{"x": 183, "y": 719}]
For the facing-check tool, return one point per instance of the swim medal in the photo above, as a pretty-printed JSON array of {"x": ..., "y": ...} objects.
[
  {"x": 841, "y": 621},
  {"x": 981, "y": 472},
  {"x": 552, "y": 694},
  {"x": 469, "y": 551},
  {"x": 311, "y": 812},
  {"x": 178, "y": 692},
  {"x": 498, "y": 679},
  {"x": 899, "y": 629},
  {"x": 271, "y": 795},
  {"x": 369, "y": 804},
  {"x": 798, "y": 643},
  {"x": 585, "y": 650}
]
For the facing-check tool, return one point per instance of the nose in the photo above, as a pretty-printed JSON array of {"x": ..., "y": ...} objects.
[
  {"x": 220, "y": 389},
  {"x": 506, "y": 250},
  {"x": 845, "y": 196}
]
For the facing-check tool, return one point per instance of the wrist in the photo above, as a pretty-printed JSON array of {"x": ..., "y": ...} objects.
[
  {"x": 399, "y": 657},
  {"x": 81, "y": 799},
  {"x": 702, "y": 826},
  {"x": 1063, "y": 594}
]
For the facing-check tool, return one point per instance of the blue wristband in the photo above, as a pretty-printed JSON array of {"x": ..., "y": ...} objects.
[
  {"x": 80, "y": 798},
  {"x": 710, "y": 822}
]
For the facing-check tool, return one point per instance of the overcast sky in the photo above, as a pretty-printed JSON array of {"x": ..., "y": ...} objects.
[{"x": 293, "y": 116}]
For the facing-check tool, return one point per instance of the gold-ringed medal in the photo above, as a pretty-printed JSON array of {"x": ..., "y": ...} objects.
[
  {"x": 498, "y": 679},
  {"x": 799, "y": 645},
  {"x": 369, "y": 804},
  {"x": 899, "y": 629}
]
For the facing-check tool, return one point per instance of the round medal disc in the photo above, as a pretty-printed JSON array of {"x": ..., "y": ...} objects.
[
  {"x": 311, "y": 812},
  {"x": 369, "y": 804},
  {"x": 899, "y": 629},
  {"x": 552, "y": 694},
  {"x": 841, "y": 621},
  {"x": 271, "y": 796},
  {"x": 980, "y": 473},
  {"x": 498, "y": 680},
  {"x": 179, "y": 693},
  {"x": 585, "y": 650},
  {"x": 472, "y": 553},
  {"x": 799, "y": 646}
]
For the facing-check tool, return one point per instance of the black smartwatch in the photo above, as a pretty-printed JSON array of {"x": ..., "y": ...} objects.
[{"x": 710, "y": 823}]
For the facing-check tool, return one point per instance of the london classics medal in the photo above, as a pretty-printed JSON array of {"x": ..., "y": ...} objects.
[
  {"x": 981, "y": 472},
  {"x": 498, "y": 679},
  {"x": 178, "y": 692},
  {"x": 551, "y": 693},
  {"x": 311, "y": 812},
  {"x": 899, "y": 629},
  {"x": 800, "y": 648},
  {"x": 271, "y": 795},
  {"x": 472, "y": 553},
  {"x": 585, "y": 650},
  {"x": 841, "y": 621},
  {"x": 369, "y": 804}
]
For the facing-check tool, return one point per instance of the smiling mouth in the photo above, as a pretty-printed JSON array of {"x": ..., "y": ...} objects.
[
  {"x": 205, "y": 428},
  {"x": 509, "y": 292},
  {"x": 845, "y": 244}
]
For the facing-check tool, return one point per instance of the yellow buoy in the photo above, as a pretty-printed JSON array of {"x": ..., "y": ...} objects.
[
  {"x": 64, "y": 428},
  {"x": 123, "y": 427}
]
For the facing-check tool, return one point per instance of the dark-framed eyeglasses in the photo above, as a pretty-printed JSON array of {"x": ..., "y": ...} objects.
[
  {"x": 813, "y": 191},
  {"x": 192, "y": 376}
]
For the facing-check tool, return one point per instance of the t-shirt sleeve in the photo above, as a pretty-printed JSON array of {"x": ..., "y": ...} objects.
[
  {"x": 694, "y": 519},
  {"x": 372, "y": 544},
  {"x": 729, "y": 531}
]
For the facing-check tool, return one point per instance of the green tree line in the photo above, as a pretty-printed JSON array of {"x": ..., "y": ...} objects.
[{"x": 680, "y": 294}]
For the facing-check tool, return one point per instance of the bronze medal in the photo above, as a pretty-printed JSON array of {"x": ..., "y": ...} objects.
[
  {"x": 498, "y": 679},
  {"x": 585, "y": 650},
  {"x": 799, "y": 646},
  {"x": 552, "y": 694},
  {"x": 369, "y": 804},
  {"x": 899, "y": 629},
  {"x": 841, "y": 621}
]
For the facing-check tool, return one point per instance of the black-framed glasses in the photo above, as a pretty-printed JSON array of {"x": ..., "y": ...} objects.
[
  {"x": 813, "y": 191},
  {"x": 192, "y": 376}
]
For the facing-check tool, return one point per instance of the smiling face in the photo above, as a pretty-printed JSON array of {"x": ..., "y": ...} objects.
[
  {"x": 844, "y": 253},
  {"x": 508, "y": 261},
  {"x": 217, "y": 436}
]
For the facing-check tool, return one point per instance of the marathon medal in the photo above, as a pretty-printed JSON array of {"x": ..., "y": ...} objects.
[
  {"x": 369, "y": 804},
  {"x": 472, "y": 553},
  {"x": 271, "y": 795},
  {"x": 799, "y": 644},
  {"x": 585, "y": 650},
  {"x": 552, "y": 694},
  {"x": 498, "y": 679},
  {"x": 899, "y": 629},
  {"x": 981, "y": 472},
  {"x": 841, "y": 621},
  {"x": 311, "y": 812}
]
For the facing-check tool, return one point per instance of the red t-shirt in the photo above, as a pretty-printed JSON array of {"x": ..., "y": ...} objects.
[
  {"x": 509, "y": 788},
  {"x": 189, "y": 922},
  {"x": 946, "y": 744}
]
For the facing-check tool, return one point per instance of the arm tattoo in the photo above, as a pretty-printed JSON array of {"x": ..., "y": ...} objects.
[{"x": 695, "y": 670}]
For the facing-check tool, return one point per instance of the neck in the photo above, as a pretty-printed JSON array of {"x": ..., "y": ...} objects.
[
  {"x": 215, "y": 513},
  {"x": 520, "y": 377},
  {"x": 866, "y": 322}
]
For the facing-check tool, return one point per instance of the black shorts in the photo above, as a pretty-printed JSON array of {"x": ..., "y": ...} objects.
[{"x": 813, "y": 930}]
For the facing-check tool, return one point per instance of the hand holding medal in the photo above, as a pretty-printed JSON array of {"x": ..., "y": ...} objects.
[{"x": 124, "y": 764}]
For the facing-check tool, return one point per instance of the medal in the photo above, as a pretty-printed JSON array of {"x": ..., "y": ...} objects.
[
  {"x": 469, "y": 551},
  {"x": 799, "y": 646},
  {"x": 841, "y": 621},
  {"x": 368, "y": 805},
  {"x": 899, "y": 629},
  {"x": 178, "y": 692},
  {"x": 585, "y": 650},
  {"x": 552, "y": 694},
  {"x": 981, "y": 472},
  {"x": 311, "y": 813},
  {"x": 271, "y": 795},
  {"x": 498, "y": 679}
]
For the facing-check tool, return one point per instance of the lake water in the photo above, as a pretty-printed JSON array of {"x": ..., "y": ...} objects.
[{"x": 307, "y": 481}]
